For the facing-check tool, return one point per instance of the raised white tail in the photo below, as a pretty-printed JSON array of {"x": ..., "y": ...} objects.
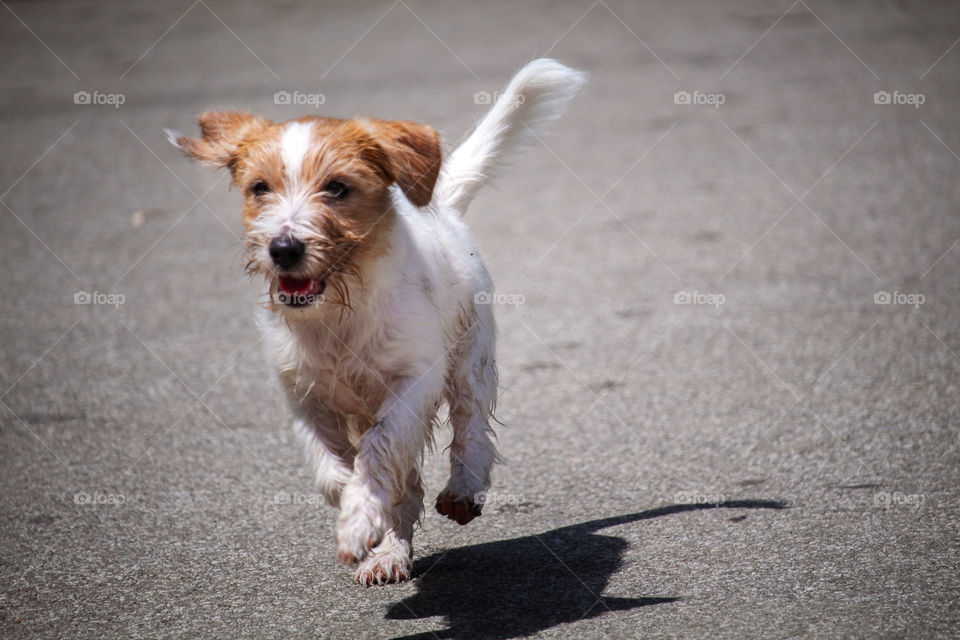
[{"x": 535, "y": 98}]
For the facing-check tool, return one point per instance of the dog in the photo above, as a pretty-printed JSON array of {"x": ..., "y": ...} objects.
[{"x": 377, "y": 305}]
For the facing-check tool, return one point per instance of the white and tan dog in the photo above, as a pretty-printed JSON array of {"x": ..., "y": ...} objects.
[{"x": 378, "y": 299}]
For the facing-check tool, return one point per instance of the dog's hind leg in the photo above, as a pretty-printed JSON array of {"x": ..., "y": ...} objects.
[{"x": 471, "y": 394}]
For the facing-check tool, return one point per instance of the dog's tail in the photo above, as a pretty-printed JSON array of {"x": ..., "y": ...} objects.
[{"x": 535, "y": 98}]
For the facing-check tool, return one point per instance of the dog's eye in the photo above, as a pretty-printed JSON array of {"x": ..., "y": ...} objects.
[
  {"x": 337, "y": 189},
  {"x": 259, "y": 188}
]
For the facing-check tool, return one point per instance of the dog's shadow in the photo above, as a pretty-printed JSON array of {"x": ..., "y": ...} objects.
[{"x": 514, "y": 588}]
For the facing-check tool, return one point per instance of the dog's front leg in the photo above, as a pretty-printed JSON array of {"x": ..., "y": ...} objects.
[
  {"x": 328, "y": 449},
  {"x": 389, "y": 451}
]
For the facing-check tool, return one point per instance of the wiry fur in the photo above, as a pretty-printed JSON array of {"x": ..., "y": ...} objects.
[
  {"x": 535, "y": 98},
  {"x": 399, "y": 330}
]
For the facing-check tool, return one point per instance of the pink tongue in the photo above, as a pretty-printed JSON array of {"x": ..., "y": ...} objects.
[{"x": 295, "y": 285}]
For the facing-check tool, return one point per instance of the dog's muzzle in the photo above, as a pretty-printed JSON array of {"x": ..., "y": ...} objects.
[{"x": 287, "y": 252}]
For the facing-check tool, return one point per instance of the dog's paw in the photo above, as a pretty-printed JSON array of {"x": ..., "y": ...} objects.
[
  {"x": 384, "y": 567},
  {"x": 357, "y": 535},
  {"x": 459, "y": 509}
]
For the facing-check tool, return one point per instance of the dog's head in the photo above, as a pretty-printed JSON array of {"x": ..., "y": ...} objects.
[{"x": 316, "y": 194}]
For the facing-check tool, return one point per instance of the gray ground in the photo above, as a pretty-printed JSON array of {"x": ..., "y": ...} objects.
[{"x": 778, "y": 460}]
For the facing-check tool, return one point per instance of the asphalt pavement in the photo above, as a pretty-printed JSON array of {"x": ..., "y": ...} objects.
[{"x": 729, "y": 316}]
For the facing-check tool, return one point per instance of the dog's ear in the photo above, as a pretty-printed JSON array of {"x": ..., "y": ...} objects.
[
  {"x": 412, "y": 156},
  {"x": 225, "y": 134}
]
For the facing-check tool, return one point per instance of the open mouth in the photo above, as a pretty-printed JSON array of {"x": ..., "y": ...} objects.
[{"x": 300, "y": 292}]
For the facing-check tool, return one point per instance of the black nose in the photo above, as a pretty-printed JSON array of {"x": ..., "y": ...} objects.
[{"x": 286, "y": 251}]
